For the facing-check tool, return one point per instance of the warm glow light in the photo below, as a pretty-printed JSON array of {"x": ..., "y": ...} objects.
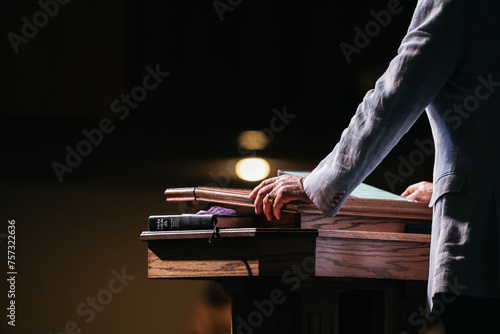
[
  {"x": 252, "y": 169},
  {"x": 253, "y": 140}
]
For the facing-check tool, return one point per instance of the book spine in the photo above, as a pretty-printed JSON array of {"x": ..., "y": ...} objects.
[{"x": 181, "y": 222}]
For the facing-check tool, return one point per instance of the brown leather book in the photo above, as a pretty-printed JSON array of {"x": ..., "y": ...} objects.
[
  {"x": 353, "y": 206},
  {"x": 231, "y": 196}
]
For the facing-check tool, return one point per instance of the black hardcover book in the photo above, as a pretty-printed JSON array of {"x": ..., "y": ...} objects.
[{"x": 181, "y": 222}]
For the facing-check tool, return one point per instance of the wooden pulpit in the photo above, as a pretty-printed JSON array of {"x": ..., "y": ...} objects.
[{"x": 362, "y": 271}]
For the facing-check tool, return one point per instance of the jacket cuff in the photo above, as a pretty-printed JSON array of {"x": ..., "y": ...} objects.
[{"x": 328, "y": 199}]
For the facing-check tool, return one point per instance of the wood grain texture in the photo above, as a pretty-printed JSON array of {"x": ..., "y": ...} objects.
[
  {"x": 368, "y": 235},
  {"x": 196, "y": 258},
  {"x": 238, "y": 252},
  {"x": 382, "y": 256},
  {"x": 357, "y": 223},
  {"x": 366, "y": 207}
]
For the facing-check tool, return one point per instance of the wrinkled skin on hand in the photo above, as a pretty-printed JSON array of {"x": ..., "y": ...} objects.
[
  {"x": 419, "y": 192},
  {"x": 282, "y": 189}
]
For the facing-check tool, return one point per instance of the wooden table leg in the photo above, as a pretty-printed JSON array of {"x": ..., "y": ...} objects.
[
  {"x": 270, "y": 305},
  {"x": 317, "y": 305}
]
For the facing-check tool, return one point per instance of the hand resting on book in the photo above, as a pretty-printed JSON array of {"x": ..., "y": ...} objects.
[{"x": 271, "y": 194}]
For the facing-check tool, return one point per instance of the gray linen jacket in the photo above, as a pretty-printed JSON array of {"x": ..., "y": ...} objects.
[{"x": 449, "y": 63}]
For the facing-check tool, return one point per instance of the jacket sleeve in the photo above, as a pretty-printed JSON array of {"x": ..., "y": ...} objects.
[{"x": 427, "y": 57}]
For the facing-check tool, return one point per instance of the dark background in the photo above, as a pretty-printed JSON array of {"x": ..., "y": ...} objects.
[{"x": 225, "y": 76}]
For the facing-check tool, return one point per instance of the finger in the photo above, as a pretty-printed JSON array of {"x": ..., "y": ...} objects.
[
  {"x": 417, "y": 196},
  {"x": 409, "y": 190},
  {"x": 260, "y": 197},
  {"x": 279, "y": 201},
  {"x": 264, "y": 183},
  {"x": 405, "y": 193},
  {"x": 268, "y": 209},
  {"x": 412, "y": 196}
]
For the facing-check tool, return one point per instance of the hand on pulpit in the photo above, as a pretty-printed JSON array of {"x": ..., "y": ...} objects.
[
  {"x": 419, "y": 192},
  {"x": 271, "y": 194}
]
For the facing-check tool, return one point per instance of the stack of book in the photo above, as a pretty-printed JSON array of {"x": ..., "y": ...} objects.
[{"x": 233, "y": 208}]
